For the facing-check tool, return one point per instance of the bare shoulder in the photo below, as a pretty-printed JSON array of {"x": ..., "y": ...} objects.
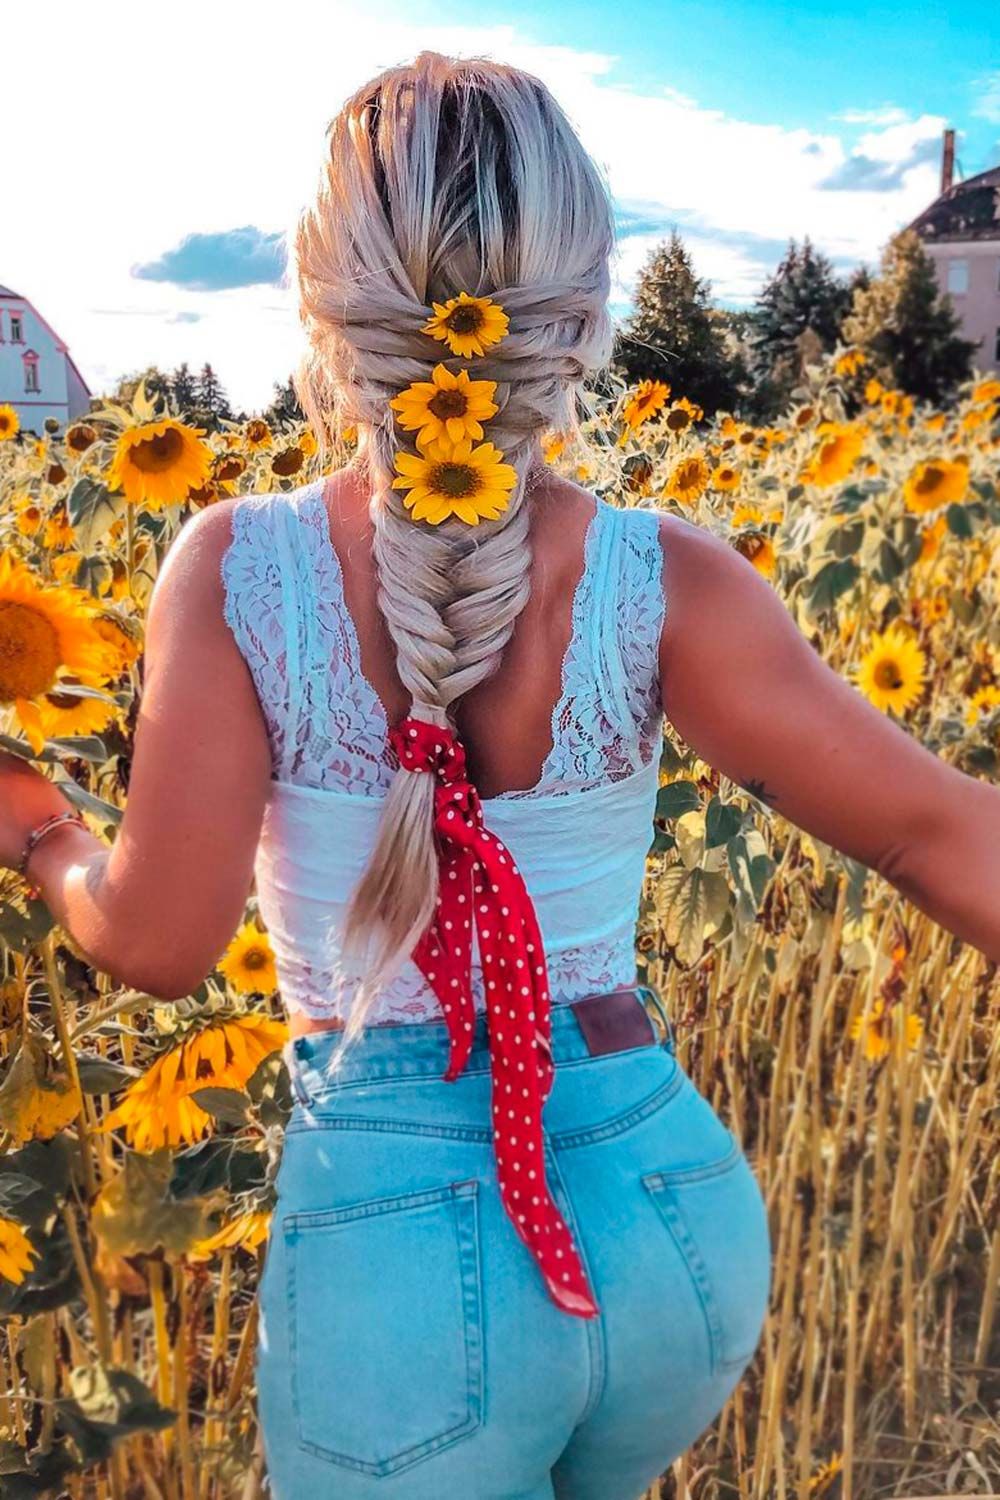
[
  {"x": 190, "y": 575},
  {"x": 720, "y": 613}
]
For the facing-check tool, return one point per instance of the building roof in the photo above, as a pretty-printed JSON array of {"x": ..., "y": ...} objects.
[
  {"x": 5, "y": 291},
  {"x": 969, "y": 210}
]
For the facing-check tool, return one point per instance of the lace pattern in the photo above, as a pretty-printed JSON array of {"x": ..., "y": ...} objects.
[{"x": 285, "y": 604}]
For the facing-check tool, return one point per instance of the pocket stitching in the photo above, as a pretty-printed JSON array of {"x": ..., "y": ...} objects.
[
  {"x": 465, "y": 1197},
  {"x": 658, "y": 1185}
]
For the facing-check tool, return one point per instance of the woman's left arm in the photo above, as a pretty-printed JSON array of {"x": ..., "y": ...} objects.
[{"x": 156, "y": 908}]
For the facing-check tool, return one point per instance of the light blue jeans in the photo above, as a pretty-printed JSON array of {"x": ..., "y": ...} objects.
[{"x": 408, "y": 1349}]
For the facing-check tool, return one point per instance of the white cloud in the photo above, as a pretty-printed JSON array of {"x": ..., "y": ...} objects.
[
  {"x": 889, "y": 114},
  {"x": 987, "y": 98},
  {"x": 113, "y": 173}
]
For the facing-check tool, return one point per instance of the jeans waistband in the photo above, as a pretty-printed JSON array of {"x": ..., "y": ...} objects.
[{"x": 421, "y": 1049}]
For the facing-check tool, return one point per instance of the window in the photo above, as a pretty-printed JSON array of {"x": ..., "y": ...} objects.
[
  {"x": 16, "y": 336},
  {"x": 998, "y": 275},
  {"x": 958, "y": 277},
  {"x": 31, "y": 375},
  {"x": 996, "y": 350}
]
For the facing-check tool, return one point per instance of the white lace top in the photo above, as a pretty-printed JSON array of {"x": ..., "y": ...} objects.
[{"x": 580, "y": 835}]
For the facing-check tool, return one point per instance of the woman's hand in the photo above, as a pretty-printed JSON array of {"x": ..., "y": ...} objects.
[{"x": 26, "y": 799}]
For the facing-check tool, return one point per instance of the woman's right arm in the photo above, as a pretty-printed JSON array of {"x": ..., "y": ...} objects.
[{"x": 746, "y": 690}]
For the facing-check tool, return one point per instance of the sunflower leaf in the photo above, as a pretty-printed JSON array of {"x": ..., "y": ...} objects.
[
  {"x": 677, "y": 798},
  {"x": 829, "y": 582},
  {"x": 88, "y": 802},
  {"x": 228, "y": 1106},
  {"x": 92, "y": 509},
  {"x": 100, "y": 1075},
  {"x": 135, "y": 1213}
]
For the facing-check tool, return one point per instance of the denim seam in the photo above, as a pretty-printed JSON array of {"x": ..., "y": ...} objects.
[
  {"x": 464, "y": 1197},
  {"x": 658, "y": 1185},
  {"x": 473, "y": 1134},
  {"x": 595, "y": 1329},
  {"x": 569, "y": 1139}
]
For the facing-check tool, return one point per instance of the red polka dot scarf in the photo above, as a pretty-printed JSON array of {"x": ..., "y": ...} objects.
[{"x": 480, "y": 882}]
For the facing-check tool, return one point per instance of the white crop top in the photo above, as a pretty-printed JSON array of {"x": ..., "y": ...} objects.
[{"x": 580, "y": 835}]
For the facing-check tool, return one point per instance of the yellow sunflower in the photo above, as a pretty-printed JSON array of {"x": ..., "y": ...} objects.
[
  {"x": 248, "y": 962},
  {"x": 307, "y": 442},
  {"x": 891, "y": 673},
  {"x": 935, "y": 422},
  {"x": 242, "y": 1232},
  {"x": 257, "y": 434},
  {"x": 759, "y": 550},
  {"x": 726, "y": 477},
  {"x": 29, "y": 517},
  {"x": 873, "y": 392},
  {"x": 850, "y": 362},
  {"x": 157, "y": 463},
  {"x": 473, "y": 484},
  {"x": 982, "y": 702},
  {"x": 646, "y": 399},
  {"x": 16, "y": 1252},
  {"x": 65, "y": 711},
  {"x": 446, "y": 406},
  {"x": 744, "y": 512},
  {"x": 58, "y": 532},
  {"x": 468, "y": 325},
  {"x": 986, "y": 390},
  {"x": 682, "y": 414},
  {"x": 838, "y": 451},
  {"x": 80, "y": 436},
  {"x": 157, "y": 1109},
  {"x": 552, "y": 446},
  {"x": 10, "y": 423},
  {"x": 121, "y": 649},
  {"x": 936, "y": 482},
  {"x": 45, "y": 632},
  {"x": 688, "y": 479},
  {"x": 877, "y": 1040}
]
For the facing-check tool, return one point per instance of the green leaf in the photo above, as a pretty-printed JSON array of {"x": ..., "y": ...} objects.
[
  {"x": 21, "y": 932},
  {"x": 83, "y": 746},
  {"x": 846, "y": 540},
  {"x": 108, "y": 1404},
  {"x": 216, "y": 1164},
  {"x": 99, "y": 1075},
  {"x": 135, "y": 1214},
  {"x": 92, "y": 510},
  {"x": 677, "y": 798},
  {"x": 723, "y": 821},
  {"x": 890, "y": 564},
  {"x": 88, "y": 802},
  {"x": 832, "y": 580},
  {"x": 959, "y": 521},
  {"x": 663, "y": 842},
  {"x": 228, "y": 1106},
  {"x": 31, "y": 1476}
]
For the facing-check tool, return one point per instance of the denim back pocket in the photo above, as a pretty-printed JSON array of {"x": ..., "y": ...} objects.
[
  {"x": 385, "y": 1327},
  {"x": 718, "y": 1219}
]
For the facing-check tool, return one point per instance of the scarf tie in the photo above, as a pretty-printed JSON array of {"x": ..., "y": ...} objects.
[{"x": 479, "y": 882}]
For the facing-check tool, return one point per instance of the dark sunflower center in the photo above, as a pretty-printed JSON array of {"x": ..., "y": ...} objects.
[
  {"x": 449, "y": 404},
  {"x": 254, "y": 958},
  {"x": 457, "y": 481},
  {"x": 465, "y": 319},
  {"x": 29, "y": 651},
  {"x": 678, "y": 420},
  {"x": 6, "y": 424},
  {"x": 80, "y": 438},
  {"x": 63, "y": 700},
  {"x": 155, "y": 454},
  {"x": 887, "y": 675},
  {"x": 930, "y": 480}
]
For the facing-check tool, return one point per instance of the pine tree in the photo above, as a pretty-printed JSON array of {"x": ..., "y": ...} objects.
[
  {"x": 212, "y": 403},
  {"x": 797, "y": 315},
  {"x": 907, "y": 327},
  {"x": 285, "y": 405},
  {"x": 184, "y": 390},
  {"x": 673, "y": 333}
]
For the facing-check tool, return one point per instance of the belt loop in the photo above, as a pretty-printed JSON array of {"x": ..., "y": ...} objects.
[
  {"x": 661, "y": 1009},
  {"x": 294, "y": 1072}
]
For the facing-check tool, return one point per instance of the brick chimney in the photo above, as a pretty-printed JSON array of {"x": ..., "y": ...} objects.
[{"x": 948, "y": 161}]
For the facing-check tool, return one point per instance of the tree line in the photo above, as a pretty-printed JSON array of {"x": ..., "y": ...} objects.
[
  {"x": 750, "y": 361},
  {"x": 747, "y": 361}
]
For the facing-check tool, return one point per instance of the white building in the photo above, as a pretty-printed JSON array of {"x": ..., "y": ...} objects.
[
  {"x": 37, "y": 376},
  {"x": 961, "y": 234}
]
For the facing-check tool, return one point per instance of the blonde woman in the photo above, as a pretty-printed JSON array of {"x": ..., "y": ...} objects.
[{"x": 515, "y": 1253}]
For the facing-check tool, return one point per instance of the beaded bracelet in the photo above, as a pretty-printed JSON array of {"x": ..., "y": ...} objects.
[{"x": 71, "y": 815}]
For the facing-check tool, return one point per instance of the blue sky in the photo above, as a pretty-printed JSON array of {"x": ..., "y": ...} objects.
[{"x": 169, "y": 151}]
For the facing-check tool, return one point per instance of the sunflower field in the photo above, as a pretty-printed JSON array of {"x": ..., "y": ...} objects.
[{"x": 850, "y": 1042}]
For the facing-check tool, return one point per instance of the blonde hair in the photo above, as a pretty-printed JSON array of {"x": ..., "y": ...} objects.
[{"x": 439, "y": 176}]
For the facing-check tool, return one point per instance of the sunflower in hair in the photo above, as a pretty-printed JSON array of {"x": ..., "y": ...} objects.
[
  {"x": 455, "y": 479},
  {"x": 446, "y": 406},
  {"x": 468, "y": 325}
]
